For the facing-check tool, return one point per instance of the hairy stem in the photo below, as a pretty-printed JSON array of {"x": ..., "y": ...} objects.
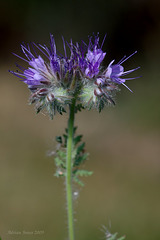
[{"x": 69, "y": 172}]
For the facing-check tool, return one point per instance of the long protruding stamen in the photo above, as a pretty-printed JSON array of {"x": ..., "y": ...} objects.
[
  {"x": 127, "y": 57},
  {"x": 130, "y": 71},
  {"x": 64, "y": 46},
  {"x": 36, "y": 45},
  {"x": 17, "y": 74},
  {"x": 20, "y": 57},
  {"x": 103, "y": 40},
  {"x": 127, "y": 87},
  {"x": 131, "y": 78},
  {"x": 122, "y": 59},
  {"x": 29, "y": 55}
]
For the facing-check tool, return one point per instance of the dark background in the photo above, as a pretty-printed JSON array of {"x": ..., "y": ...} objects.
[{"x": 123, "y": 141}]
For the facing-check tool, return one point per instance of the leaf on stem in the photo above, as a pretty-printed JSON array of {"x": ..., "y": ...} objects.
[{"x": 79, "y": 156}]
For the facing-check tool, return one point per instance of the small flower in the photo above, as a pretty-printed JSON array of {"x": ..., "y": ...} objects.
[
  {"x": 116, "y": 71},
  {"x": 55, "y": 79},
  {"x": 94, "y": 59}
]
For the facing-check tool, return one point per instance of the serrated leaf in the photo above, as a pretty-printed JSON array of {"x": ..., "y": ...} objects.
[
  {"x": 78, "y": 107},
  {"x": 74, "y": 130},
  {"x": 66, "y": 130},
  {"x": 62, "y": 155},
  {"x": 58, "y": 162},
  {"x": 77, "y": 139},
  {"x": 82, "y": 173},
  {"x": 39, "y": 109},
  {"x": 78, "y": 181},
  {"x": 80, "y": 148},
  {"x": 60, "y": 109},
  {"x": 101, "y": 105},
  {"x": 74, "y": 153},
  {"x": 60, "y": 159},
  {"x": 78, "y": 156},
  {"x": 65, "y": 139},
  {"x": 59, "y": 139},
  {"x": 80, "y": 159}
]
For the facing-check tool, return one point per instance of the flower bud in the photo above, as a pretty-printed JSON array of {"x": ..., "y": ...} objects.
[
  {"x": 100, "y": 82},
  {"x": 50, "y": 97},
  {"x": 98, "y": 92},
  {"x": 42, "y": 92}
]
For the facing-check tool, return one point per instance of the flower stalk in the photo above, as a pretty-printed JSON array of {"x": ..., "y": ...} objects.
[
  {"x": 57, "y": 81},
  {"x": 69, "y": 194}
]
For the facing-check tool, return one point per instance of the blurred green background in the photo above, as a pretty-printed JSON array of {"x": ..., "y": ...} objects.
[{"x": 123, "y": 141}]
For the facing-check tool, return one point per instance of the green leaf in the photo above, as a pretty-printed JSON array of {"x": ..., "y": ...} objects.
[
  {"x": 80, "y": 148},
  {"x": 65, "y": 139},
  {"x": 77, "y": 139},
  {"x": 58, "y": 162},
  {"x": 66, "y": 130},
  {"x": 74, "y": 130},
  {"x": 79, "y": 107},
  {"x": 60, "y": 159},
  {"x": 80, "y": 159},
  {"x": 39, "y": 109},
  {"x": 101, "y": 105},
  {"x": 82, "y": 173},
  {"x": 59, "y": 139},
  {"x": 60, "y": 109},
  {"x": 78, "y": 181}
]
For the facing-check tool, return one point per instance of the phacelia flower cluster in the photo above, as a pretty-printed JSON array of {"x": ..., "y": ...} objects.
[{"x": 56, "y": 79}]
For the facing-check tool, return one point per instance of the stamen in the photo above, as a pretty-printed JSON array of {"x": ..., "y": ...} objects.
[
  {"x": 127, "y": 87},
  {"x": 20, "y": 57},
  {"x": 103, "y": 40},
  {"x": 129, "y": 71},
  {"x": 25, "y": 49},
  {"x": 40, "y": 49},
  {"x": 64, "y": 46},
  {"x": 128, "y": 57}
]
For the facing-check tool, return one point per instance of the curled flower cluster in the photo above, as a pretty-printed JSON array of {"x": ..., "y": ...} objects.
[{"x": 58, "y": 79}]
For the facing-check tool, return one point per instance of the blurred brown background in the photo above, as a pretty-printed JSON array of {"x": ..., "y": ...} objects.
[{"x": 123, "y": 141}]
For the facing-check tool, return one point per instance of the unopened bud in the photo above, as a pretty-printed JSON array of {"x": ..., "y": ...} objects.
[
  {"x": 50, "y": 97},
  {"x": 32, "y": 87},
  {"x": 45, "y": 82},
  {"x": 42, "y": 92},
  {"x": 98, "y": 92},
  {"x": 111, "y": 87},
  {"x": 100, "y": 82}
]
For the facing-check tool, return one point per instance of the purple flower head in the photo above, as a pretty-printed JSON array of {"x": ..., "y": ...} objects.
[
  {"x": 115, "y": 72},
  {"x": 49, "y": 77},
  {"x": 54, "y": 79},
  {"x": 42, "y": 71}
]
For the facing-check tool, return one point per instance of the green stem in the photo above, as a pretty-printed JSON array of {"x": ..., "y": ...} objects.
[{"x": 69, "y": 172}]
